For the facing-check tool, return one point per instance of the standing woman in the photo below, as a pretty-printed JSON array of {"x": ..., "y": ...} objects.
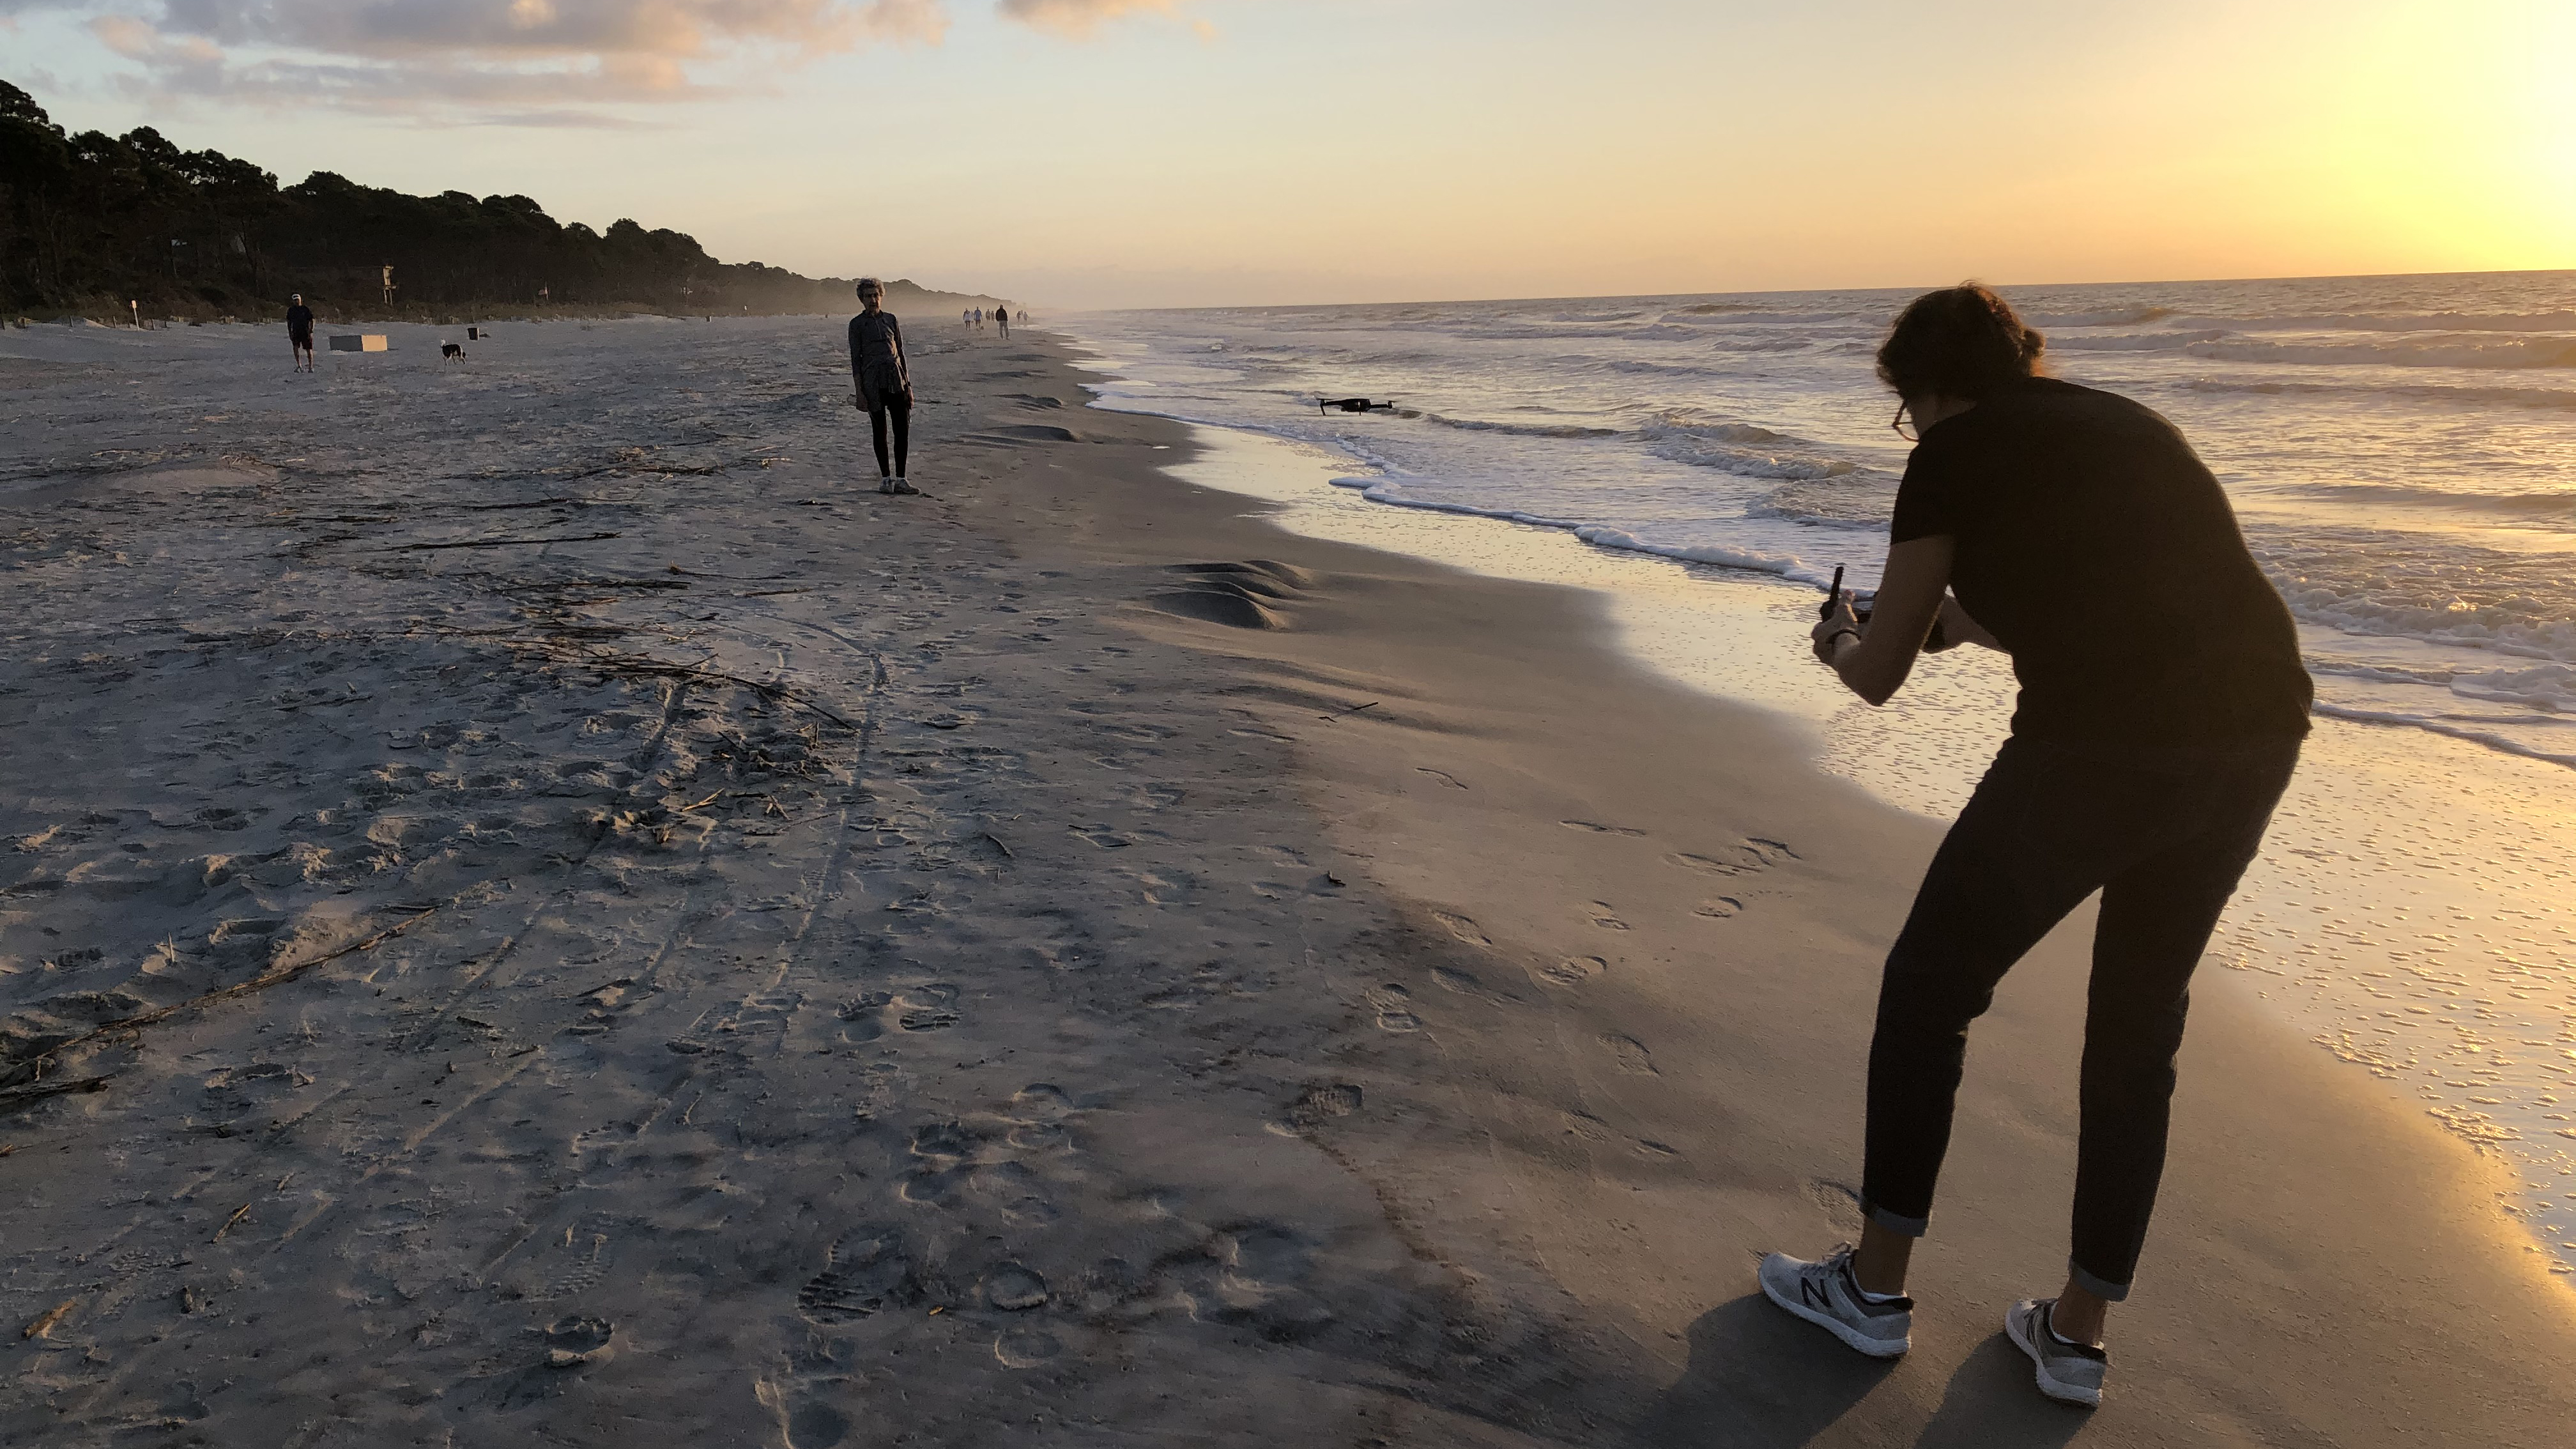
[
  {"x": 884, "y": 382},
  {"x": 2162, "y": 706}
]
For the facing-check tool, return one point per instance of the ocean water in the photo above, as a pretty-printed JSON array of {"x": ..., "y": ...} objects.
[{"x": 2402, "y": 455}]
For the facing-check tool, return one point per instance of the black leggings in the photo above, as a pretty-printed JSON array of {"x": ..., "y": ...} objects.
[
  {"x": 882, "y": 402},
  {"x": 2165, "y": 836}
]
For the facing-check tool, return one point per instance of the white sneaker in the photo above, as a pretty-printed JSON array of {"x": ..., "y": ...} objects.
[
  {"x": 1825, "y": 1294},
  {"x": 885, "y": 485},
  {"x": 2069, "y": 1372}
]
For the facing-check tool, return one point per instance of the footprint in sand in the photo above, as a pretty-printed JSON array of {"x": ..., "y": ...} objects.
[
  {"x": 1718, "y": 907},
  {"x": 944, "y": 1144},
  {"x": 1041, "y": 1101},
  {"x": 1840, "y": 1202},
  {"x": 1039, "y": 1137},
  {"x": 1468, "y": 983},
  {"x": 1630, "y": 1054},
  {"x": 1443, "y": 776},
  {"x": 1315, "y": 1106},
  {"x": 585, "y": 1243},
  {"x": 1604, "y": 915},
  {"x": 1394, "y": 1011},
  {"x": 1593, "y": 1129},
  {"x": 1463, "y": 928},
  {"x": 1015, "y": 1289},
  {"x": 1752, "y": 854},
  {"x": 865, "y": 1272},
  {"x": 926, "y": 1007},
  {"x": 1025, "y": 1348},
  {"x": 1598, "y": 829},
  {"x": 580, "y": 1340},
  {"x": 864, "y": 1018},
  {"x": 1574, "y": 970}
]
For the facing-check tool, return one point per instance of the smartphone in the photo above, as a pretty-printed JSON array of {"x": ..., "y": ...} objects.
[{"x": 1833, "y": 594}]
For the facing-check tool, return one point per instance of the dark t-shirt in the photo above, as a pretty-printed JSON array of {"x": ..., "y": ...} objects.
[
  {"x": 2098, "y": 549},
  {"x": 876, "y": 352},
  {"x": 299, "y": 321}
]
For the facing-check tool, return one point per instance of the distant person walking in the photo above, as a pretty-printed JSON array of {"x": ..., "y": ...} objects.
[
  {"x": 2162, "y": 708},
  {"x": 1002, "y": 319},
  {"x": 884, "y": 382},
  {"x": 299, "y": 331}
]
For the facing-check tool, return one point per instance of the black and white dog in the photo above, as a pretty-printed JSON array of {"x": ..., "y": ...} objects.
[{"x": 451, "y": 352}]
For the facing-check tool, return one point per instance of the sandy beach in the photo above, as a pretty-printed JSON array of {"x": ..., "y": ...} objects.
[{"x": 540, "y": 909}]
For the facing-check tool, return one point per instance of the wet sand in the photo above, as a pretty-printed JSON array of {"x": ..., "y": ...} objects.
[{"x": 595, "y": 929}]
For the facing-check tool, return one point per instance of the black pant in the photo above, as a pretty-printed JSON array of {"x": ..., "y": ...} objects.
[
  {"x": 882, "y": 401},
  {"x": 2164, "y": 835}
]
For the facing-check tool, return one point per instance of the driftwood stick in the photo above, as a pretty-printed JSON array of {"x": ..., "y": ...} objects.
[
  {"x": 632, "y": 664},
  {"x": 531, "y": 503},
  {"x": 274, "y": 976},
  {"x": 499, "y": 542},
  {"x": 50, "y": 1089}
]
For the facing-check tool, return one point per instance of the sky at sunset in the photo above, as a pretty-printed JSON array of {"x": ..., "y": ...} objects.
[{"x": 1184, "y": 152}]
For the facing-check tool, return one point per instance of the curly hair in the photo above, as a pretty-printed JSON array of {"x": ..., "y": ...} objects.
[{"x": 1961, "y": 341}]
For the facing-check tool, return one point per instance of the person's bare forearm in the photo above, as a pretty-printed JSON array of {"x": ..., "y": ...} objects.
[
  {"x": 1873, "y": 659},
  {"x": 1874, "y": 671}
]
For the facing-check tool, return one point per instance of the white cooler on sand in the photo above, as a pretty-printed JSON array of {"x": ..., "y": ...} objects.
[{"x": 364, "y": 342}]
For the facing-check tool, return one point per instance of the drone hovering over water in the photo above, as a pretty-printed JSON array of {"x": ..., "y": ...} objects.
[{"x": 1353, "y": 405}]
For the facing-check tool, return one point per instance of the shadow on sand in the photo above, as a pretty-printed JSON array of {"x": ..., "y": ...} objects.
[
  {"x": 1758, "y": 1379},
  {"x": 1991, "y": 1404}
]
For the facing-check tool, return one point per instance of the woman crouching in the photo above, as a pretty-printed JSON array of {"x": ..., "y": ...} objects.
[{"x": 2161, "y": 711}]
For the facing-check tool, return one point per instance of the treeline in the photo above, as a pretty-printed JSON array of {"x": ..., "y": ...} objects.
[{"x": 91, "y": 222}]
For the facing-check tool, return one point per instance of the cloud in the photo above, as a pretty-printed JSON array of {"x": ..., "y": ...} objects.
[
  {"x": 516, "y": 62},
  {"x": 539, "y": 58},
  {"x": 1081, "y": 19},
  {"x": 496, "y": 29}
]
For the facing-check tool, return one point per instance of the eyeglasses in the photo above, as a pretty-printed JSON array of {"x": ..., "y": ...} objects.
[{"x": 1905, "y": 429}]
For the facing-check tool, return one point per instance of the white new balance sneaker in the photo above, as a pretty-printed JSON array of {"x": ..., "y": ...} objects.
[
  {"x": 2069, "y": 1372},
  {"x": 1825, "y": 1294}
]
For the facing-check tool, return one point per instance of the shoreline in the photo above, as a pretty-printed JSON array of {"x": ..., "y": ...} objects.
[
  {"x": 1453, "y": 860},
  {"x": 1128, "y": 1024}
]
